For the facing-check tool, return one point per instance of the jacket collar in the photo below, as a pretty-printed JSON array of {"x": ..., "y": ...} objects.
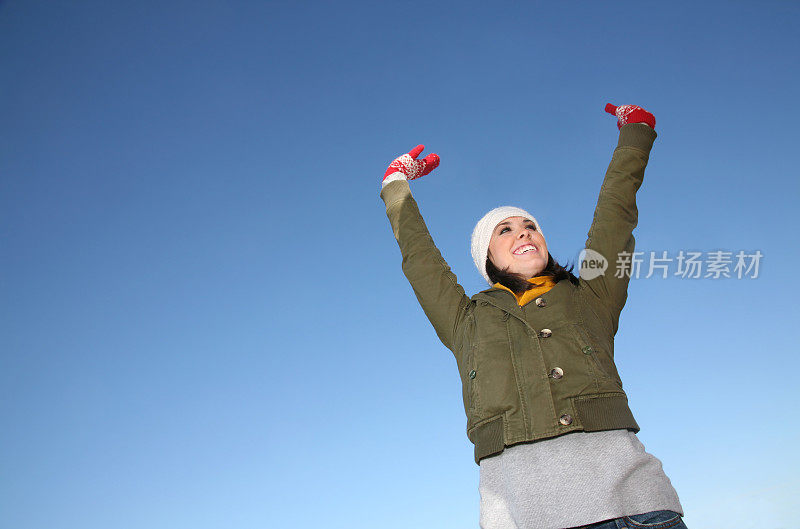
[
  {"x": 505, "y": 300},
  {"x": 502, "y": 299}
]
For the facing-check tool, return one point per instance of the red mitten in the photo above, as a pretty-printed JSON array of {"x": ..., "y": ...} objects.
[
  {"x": 631, "y": 114},
  {"x": 407, "y": 166}
]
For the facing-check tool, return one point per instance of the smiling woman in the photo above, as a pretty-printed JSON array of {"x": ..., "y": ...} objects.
[
  {"x": 553, "y": 433},
  {"x": 517, "y": 246}
]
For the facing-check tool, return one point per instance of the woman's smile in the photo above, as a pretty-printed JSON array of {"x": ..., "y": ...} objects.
[{"x": 525, "y": 248}]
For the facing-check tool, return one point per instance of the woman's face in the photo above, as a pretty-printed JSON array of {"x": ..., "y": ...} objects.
[{"x": 518, "y": 246}]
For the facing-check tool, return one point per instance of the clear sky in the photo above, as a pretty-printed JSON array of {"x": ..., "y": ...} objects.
[{"x": 204, "y": 322}]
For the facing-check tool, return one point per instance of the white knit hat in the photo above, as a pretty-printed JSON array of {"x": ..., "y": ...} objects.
[{"x": 482, "y": 233}]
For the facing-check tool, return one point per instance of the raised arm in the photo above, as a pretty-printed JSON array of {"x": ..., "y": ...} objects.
[
  {"x": 442, "y": 299},
  {"x": 616, "y": 215}
]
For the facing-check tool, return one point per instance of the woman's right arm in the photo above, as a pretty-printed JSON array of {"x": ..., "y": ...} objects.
[{"x": 442, "y": 299}]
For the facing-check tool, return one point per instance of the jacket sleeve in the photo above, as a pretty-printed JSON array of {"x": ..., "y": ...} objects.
[
  {"x": 616, "y": 216},
  {"x": 442, "y": 299}
]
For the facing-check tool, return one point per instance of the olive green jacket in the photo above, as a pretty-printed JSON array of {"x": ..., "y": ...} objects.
[{"x": 547, "y": 368}]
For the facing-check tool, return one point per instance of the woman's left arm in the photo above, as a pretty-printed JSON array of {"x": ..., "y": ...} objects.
[{"x": 616, "y": 214}]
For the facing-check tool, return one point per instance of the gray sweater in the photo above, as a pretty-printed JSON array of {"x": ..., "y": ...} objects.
[{"x": 574, "y": 479}]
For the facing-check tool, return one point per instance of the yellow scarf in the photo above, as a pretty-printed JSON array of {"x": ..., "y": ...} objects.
[{"x": 542, "y": 285}]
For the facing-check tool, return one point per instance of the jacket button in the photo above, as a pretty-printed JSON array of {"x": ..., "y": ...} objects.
[
  {"x": 472, "y": 374},
  {"x": 587, "y": 349},
  {"x": 540, "y": 302},
  {"x": 557, "y": 372},
  {"x": 545, "y": 333},
  {"x": 565, "y": 419}
]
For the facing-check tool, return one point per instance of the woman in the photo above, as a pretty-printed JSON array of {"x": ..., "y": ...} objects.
[{"x": 553, "y": 434}]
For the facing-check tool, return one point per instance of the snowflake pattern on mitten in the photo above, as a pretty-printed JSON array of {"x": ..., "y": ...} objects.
[
  {"x": 410, "y": 167},
  {"x": 623, "y": 113},
  {"x": 631, "y": 114},
  {"x": 406, "y": 165}
]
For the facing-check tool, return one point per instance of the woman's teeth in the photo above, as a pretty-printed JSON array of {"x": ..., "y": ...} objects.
[{"x": 525, "y": 249}]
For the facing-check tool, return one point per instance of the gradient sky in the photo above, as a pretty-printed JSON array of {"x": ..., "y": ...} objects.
[{"x": 204, "y": 322}]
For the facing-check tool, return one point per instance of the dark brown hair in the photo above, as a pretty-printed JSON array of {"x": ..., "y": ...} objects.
[{"x": 519, "y": 284}]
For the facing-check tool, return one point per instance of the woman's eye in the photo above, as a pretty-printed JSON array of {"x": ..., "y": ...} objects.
[
  {"x": 532, "y": 227},
  {"x": 503, "y": 230}
]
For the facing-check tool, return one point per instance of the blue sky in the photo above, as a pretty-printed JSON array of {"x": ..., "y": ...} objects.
[{"x": 204, "y": 322}]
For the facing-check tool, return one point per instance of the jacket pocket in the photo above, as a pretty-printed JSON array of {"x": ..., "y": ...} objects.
[
  {"x": 472, "y": 382},
  {"x": 469, "y": 373},
  {"x": 590, "y": 350}
]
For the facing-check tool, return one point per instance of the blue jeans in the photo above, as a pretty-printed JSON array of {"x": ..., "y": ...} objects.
[{"x": 650, "y": 520}]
